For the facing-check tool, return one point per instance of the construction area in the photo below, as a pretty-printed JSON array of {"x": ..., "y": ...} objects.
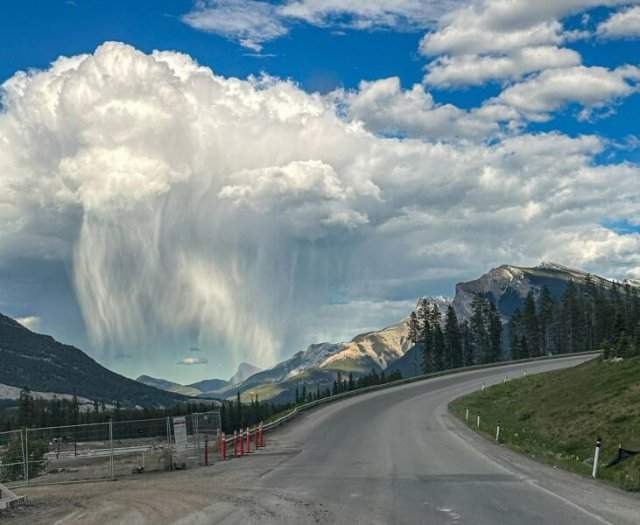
[
  {"x": 106, "y": 451},
  {"x": 196, "y": 443}
]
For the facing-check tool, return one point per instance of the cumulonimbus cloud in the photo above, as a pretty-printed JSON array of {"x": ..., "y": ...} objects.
[{"x": 186, "y": 202}]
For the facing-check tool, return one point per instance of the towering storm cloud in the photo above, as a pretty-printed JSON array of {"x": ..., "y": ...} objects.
[{"x": 245, "y": 212}]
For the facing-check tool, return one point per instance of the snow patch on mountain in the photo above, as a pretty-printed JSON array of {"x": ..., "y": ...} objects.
[
  {"x": 314, "y": 356},
  {"x": 13, "y": 392},
  {"x": 244, "y": 372}
]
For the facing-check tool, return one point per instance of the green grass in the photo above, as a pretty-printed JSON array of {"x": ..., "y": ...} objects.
[{"x": 556, "y": 417}]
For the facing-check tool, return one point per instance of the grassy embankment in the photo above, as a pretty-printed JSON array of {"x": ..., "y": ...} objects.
[{"x": 556, "y": 417}]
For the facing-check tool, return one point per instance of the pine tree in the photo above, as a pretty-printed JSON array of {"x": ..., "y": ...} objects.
[
  {"x": 437, "y": 342},
  {"x": 25, "y": 408},
  {"x": 426, "y": 335},
  {"x": 515, "y": 335},
  {"x": 495, "y": 334},
  {"x": 468, "y": 358},
  {"x": 414, "y": 328},
  {"x": 530, "y": 325},
  {"x": 546, "y": 308},
  {"x": 438, "y": 347},
  {"x": 571, "y": 319},
  {"x": 453, "y": 340},
  {"x": 479, "y": 329}
]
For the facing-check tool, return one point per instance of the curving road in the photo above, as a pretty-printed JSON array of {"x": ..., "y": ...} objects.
[
  {"x": 398, "y": 457},
  {"x": 389, "y": 457}
]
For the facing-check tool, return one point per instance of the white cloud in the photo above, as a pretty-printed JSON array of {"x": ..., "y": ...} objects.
[
  {"x": 623, "y": 24},
  {"x": 234, "y": 210},
  {"x": 463, "y": 70},
  {"x": 365, "y": 14},
  {"x": 386, "y": 109},
  {"x": 253, "y": 22},
  {"x": 592, "y": 87},
  {"x": 32, "y": 322},
  {"x": 502, "y": 39},
  {"x": 190, "y": 361},
  {"x": 307, "y": 195},
  {"x": 249, "y": 22}
]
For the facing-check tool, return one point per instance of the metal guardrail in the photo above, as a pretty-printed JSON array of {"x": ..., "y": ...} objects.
[{"x": 352, "y": 393}]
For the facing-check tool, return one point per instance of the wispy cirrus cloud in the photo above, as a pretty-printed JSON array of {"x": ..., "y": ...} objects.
[
  {"x": 249, "y": 22},
  {"x": 252, "y": 23}
]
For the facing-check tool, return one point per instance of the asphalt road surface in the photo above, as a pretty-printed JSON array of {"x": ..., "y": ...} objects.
[{"x": 389, "y": 457}]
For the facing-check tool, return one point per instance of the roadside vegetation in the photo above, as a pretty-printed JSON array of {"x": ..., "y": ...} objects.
[
  {"x": 556, "y": 417},
  {"x": 33, "y": 412},
  {"x": 583, "y": 317}
]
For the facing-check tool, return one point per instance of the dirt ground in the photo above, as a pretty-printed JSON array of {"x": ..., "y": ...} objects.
[{"x": 193, "y": 496}]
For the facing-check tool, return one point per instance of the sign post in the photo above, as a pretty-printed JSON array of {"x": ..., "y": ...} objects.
[{"x": 180, "y": 438}]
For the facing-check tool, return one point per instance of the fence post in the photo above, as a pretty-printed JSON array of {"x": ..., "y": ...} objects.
[
  {"x": 112, "y": 466},
  {"x": 25, "y": 475},
  {"x": 594, "y": 472},
  {"x": 196, "y": 436},
  {"x": 206, "y": 450},
  {"x": 26, "y": 454},
  {"x": 169, "y": 443}
]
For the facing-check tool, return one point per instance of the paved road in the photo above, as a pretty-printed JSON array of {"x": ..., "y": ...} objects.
[
  {"x": 398, "y": 457},
  {"x": 388, "y": 457}
]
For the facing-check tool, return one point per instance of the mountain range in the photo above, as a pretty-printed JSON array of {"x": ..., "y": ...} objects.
[
  {"x": 389, "y": 349},
  {"x": 204, "y": 388},
  {"x": 49, "y": 367}
]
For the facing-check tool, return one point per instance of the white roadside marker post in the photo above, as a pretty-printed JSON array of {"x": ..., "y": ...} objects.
[
  {"x": 498, "y": 432},
  {"x": 466, "y": 415},
  {"x": 596, "y": 457},
  {"x": 111, "y": 463},
  {"x": 482, "y": 387},
  {"x": 478, "y": 421}
]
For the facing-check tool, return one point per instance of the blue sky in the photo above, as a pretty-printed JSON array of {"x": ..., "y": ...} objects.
[
  {"x": 398, "y": 148},
  {"x": 36, "y": 33}
]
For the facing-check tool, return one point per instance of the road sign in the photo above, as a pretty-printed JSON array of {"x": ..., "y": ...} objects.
[{"x": 180, "y": 433}]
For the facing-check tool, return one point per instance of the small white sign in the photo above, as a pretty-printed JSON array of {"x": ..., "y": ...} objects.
[{"x": 180, "y": 433}]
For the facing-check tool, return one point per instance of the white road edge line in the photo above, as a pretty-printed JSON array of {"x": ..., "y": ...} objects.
[{"x": 439, "y": 416}]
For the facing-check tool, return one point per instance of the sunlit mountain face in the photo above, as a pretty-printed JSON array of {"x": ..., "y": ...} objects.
[{"x": 185, "y": 186}]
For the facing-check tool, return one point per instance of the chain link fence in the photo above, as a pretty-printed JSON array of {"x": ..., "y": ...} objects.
[
  {"x": 106, "y": 450},
  {"x": 12, "y": 456},
  {"x": 206, "y": 429}
]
